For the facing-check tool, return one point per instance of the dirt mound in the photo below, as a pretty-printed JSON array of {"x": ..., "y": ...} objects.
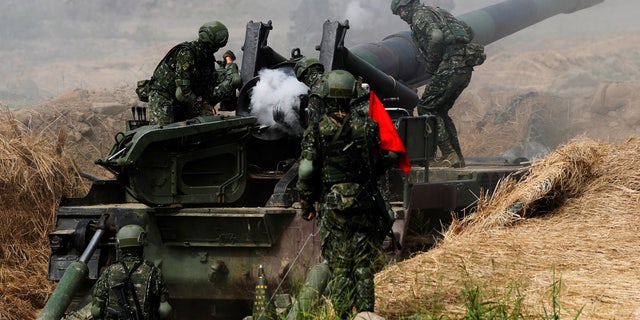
[
  {"x": 548, "y": 97},
  {"x": 89, "y": 118},
  {"x": 568, "y": 225}
]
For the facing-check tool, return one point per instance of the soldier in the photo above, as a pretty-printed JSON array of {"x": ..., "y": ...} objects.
[
  {"x": 230, "y": 81},
  {"x": 340, "y": 154},
  {"x": 445, "y": 43},
  {"x": 310, "y": 71},
  {"x": 186, "y": 77},
  {"x": 132, "y": 288}
]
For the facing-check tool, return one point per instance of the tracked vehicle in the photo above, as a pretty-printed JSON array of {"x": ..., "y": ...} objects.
[{"x": 217, "y": 197}]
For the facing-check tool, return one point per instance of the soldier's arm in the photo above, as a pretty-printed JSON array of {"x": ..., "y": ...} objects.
[
  {"x": 435, "y": 47},
  {"x": 233, "y": 73},
  {"x": 164, "y": 308},
  {"x": 230, "y": 81},
  {"x": 184, "y": 67},
  {"x": 308, "y": 172},
  {"x": 469, "y": 30},
  {"x": 100, "y": 294},
  {"x": 428, "y": 28}
]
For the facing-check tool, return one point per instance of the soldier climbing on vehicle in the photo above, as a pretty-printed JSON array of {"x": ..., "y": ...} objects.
[
  {"x": 185, "y": 79},
  {"x": 445, "y": 43}
]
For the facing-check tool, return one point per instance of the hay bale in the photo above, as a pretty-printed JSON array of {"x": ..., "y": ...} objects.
[
  {"x": 577, "y": 227},
  {"x": 544, "y": 185},
  {"x": 35, "y": 171}
]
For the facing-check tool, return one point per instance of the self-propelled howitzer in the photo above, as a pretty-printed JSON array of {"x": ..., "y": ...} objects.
[{"x": 217, "y": 194}]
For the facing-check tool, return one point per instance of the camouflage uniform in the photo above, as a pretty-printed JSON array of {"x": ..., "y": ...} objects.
[
  {"x": 147, "y": 279},
  {"x": 444, "y": 41},
  {"x": 229, "y": 82},
  {"x": 310, "y": 72},
  {"x": 190, "y": 66},
  {"x": 315, "y": 106},
  {"x": 342, "y": 147}
]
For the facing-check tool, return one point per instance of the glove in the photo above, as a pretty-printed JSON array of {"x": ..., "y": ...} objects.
[
  {"x": 308, "y": 210},
  {"x": 189, "y": 98}
]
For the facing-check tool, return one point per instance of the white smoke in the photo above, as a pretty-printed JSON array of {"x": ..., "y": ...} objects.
[
  {"x": 278, "y": 90},
  {"x": 359, "y": 17}
]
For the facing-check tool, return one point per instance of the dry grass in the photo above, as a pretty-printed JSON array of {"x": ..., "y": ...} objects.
[
  {"x": 35, "y": 171},
  {"x": 574, "y": 216}
]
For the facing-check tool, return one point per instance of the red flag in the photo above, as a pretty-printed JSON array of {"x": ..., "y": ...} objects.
[{"x": 389, "y": 137}]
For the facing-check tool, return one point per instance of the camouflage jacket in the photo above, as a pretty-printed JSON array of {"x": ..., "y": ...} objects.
[
  {"x": 342, "y": 148},
  {"x": 147, "y": 280},
  {"x": 191, "y": 66},
  {"x": 312, "y": 79},
  {"x": 441, "y": 38},
  {"x": 315, "y": 105}
]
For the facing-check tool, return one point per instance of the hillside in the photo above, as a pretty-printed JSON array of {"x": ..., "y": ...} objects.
[{"x": 527, "y": 104}]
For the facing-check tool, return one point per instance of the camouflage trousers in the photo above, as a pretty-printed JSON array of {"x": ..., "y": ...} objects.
[
  {"x": 440, "y": 94},
  {"x": 353, "y": 250},
  {"x": 163, "y": 110}
]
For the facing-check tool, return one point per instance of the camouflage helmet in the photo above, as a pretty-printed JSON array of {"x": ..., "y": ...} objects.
[
  {"x": 214, "y": 33},
  {"x": 131, "y": 235},
  {"x": 396, "y": 4},
  {"x": 338, "y": 84},
  {"x": 304, "y": 64}
]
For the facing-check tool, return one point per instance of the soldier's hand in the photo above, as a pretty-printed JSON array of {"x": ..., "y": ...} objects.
[
  {"x": 308, "y": 210},
  {"x": 309, "y": 216}
]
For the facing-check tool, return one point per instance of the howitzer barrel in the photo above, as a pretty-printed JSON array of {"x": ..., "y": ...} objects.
[
  {"x": 333, "y": 55},
  {"x": 385, "y": 86},
  {"x": 72, "y": 279},
  {"x": 500, "y": 20},
  {"x": 397, "y": 56}
]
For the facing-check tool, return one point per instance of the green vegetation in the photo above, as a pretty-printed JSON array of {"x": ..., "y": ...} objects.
[
  {"x": 556, "y": 307},
  {"x": 487, "y": 302},
  {"x": 478, "y": 306},
  {"x": 478, "y": 302}
]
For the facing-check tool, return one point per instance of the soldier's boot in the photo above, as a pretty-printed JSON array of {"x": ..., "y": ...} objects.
[{"x": 449, "y": 157}]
